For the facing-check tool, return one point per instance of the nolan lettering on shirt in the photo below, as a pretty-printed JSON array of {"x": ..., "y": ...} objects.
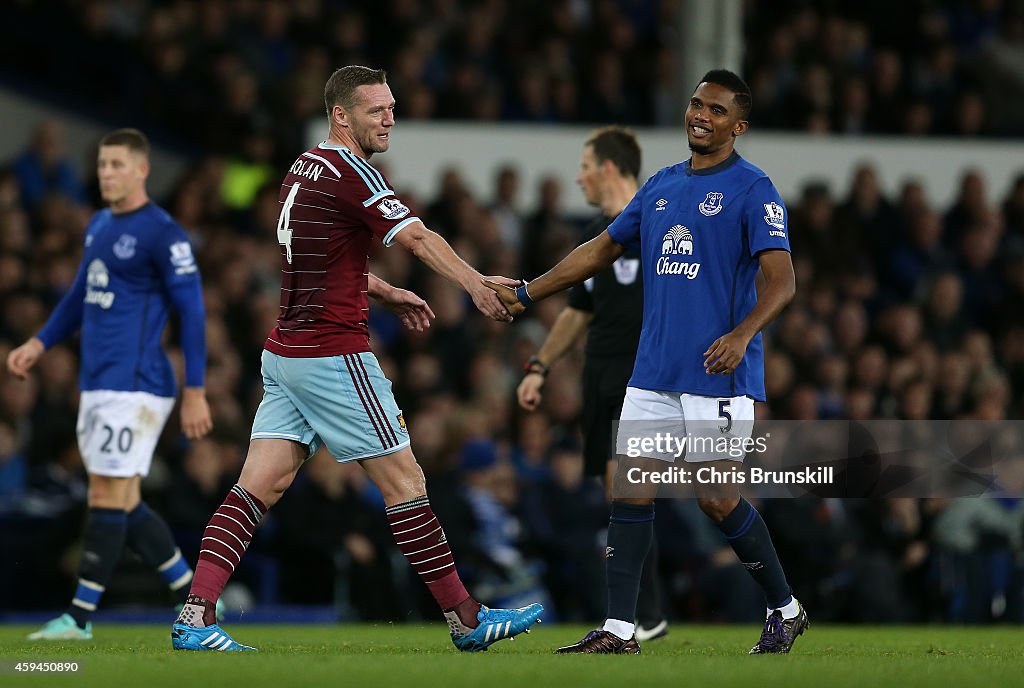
[{"x": 307, "y": 169}]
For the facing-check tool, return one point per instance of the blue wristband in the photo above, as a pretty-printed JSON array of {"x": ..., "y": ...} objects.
[{"x": 523, "y": 295}]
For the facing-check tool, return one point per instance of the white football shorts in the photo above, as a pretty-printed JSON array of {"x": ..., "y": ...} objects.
[
  {"x": 672, "y": 426},
  {"x": 118, "y": 431}
]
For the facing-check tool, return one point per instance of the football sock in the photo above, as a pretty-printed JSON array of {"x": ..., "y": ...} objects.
[
  {"x": 104, "y": 540},
  {"x": 789, "y": 608},
  {"x": 197, "y": 612},
  {"x": 747, "y": 533},
  {"x": 419, "y": 535},
  {"x": 150, "y": 538},
  {"x": 225, "y": 540},
  {"x": 620, "y": 629},
  {"x": 648, "y": 604},
  {"x": 630, "y": 531}
]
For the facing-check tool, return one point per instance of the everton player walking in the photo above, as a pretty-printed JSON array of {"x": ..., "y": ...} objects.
[
  {"x": 322, "y": 386},
  {"x": 706, "y": 226},
  {"x": 137, "y": 265}
]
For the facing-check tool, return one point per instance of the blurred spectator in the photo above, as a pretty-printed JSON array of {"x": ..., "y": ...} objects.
[{"x": 45, "y": 169}]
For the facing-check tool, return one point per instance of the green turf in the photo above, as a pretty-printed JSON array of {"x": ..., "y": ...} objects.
[{"x": 364, "y": 656}]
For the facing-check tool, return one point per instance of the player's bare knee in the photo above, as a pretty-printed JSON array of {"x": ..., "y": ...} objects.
[
  {"x": 107, "y": 492},
  {"x": 270, "y": 467},
  {"x": 717, "y": 508},
  {"x": 398, "y": 476}
]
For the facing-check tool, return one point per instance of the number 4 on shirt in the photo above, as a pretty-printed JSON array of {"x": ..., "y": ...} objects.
[{"x": 284, "y": 231}]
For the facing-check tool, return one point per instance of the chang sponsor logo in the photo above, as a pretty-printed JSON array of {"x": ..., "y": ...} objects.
[
  {"x": 678, "y": 241},
  {"x": 97, "y": 279}
]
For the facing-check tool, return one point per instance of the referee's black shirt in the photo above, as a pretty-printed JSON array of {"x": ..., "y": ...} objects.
[{"x": 616, "y": 298}]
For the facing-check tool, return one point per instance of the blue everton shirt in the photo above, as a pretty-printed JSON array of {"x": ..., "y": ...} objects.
[
  {"x": 700, "y": 232},
  {"x": 135, "y": 267}
]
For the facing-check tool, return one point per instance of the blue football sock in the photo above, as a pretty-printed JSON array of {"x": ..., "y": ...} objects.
[
  {"x": 648, "y": 605},
  {"x": 150, "y": 538},
  {"x": 747, "y": 533},
  {"x": 104, "y": 540},
  {"x": 630, "y": 531}
]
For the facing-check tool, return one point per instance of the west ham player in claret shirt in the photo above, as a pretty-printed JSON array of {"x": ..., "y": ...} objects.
[
  {"x": 322, "y": 386},
  {"x": 706, "y": 227}
]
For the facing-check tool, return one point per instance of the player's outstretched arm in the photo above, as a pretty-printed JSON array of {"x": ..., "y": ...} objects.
[
  {"x": 412, "y": 310},
  {"x": 569, "y": 326},
  {"x": 779, "y": 287},
  {"x": 21, "y": 359},
  {"x": 440, "y": 257},
  {"x": 585, "y": 261}
]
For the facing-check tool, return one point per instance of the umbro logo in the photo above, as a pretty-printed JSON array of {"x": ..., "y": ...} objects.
[
  {"x": 660, "y": 204},
  {"x": 609, "y": 552}
]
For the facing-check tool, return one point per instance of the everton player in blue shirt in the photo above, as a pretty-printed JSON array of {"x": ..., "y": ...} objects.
[
  {"x": 706, "y": 226},
  {"x": 137, "y": 265}
]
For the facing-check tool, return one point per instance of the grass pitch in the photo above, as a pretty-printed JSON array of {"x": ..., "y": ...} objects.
[{"x": 421, "y": 656}]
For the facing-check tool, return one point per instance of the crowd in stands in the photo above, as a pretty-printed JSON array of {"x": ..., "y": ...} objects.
[
  {"x": 905, "y": 310},
  {"x": 243, "y": 77}
]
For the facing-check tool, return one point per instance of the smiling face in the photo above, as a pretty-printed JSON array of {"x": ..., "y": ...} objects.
[
  {"x": 122, "y": 174},
  {"x": 713, "y": 120},
  {"x": 370, "y": 118}
]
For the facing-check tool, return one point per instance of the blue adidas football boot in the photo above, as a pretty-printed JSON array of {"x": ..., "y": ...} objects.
[
  {"x": 207, "y": 638},
  {"x": 495, "y": 625}
]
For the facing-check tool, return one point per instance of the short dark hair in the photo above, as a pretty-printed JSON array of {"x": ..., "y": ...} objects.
[
  {"x": 134, "y": 139},
  {"x": 342, "y": 85},
  {"x": 733, "y": 82},
  {"x": 619, "y": 145}
]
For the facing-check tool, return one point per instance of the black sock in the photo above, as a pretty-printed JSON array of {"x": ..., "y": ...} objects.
[
  {"x": 150, "y": 538},
  {"x": 747, "y": 533},
  {"x": 648, "y": 605},
  {"x": 630, "y": 530},
  {"x": 104, "y": 540}
]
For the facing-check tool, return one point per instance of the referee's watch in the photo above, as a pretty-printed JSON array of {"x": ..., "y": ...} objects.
[{"x": 535, "y": 365}]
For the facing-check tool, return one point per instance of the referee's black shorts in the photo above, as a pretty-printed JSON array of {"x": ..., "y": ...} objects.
[{"x": 604, "y": 387}]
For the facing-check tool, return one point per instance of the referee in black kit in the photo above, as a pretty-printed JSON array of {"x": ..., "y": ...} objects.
[{"x": 609, "y": 307}]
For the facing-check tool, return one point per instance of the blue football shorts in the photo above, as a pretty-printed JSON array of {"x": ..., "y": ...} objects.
[{"x": 343, "y": 402}]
